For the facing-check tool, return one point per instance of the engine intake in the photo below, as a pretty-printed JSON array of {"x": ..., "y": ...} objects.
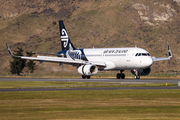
[
  {"x": 142, "y": 71},
  {"x": 88, "y": 70}
]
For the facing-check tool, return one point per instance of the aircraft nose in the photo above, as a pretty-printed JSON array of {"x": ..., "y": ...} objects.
[{"x": 149, "y": 62}]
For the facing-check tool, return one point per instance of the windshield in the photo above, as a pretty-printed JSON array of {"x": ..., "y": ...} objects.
[{"x": 142, "y": 54}]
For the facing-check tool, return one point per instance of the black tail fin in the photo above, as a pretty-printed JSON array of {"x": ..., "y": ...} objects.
[{"x": 65, "y": 40}]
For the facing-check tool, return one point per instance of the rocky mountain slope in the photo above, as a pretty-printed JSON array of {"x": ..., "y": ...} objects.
[{"x": 33, "y": 25}]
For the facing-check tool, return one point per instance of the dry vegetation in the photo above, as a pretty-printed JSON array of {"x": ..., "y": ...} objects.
[{"x": 98, "y": 23}]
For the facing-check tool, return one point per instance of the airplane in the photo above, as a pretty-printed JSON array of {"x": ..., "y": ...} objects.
[{"x": 89, "y": 61}]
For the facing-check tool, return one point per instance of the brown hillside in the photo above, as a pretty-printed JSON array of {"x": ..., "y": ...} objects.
[{"x": 149, "y": 24}]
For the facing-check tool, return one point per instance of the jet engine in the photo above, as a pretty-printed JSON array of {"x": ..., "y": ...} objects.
[
  {"x": 88, "y": 70},
  {"x": 142, "y": 71}
]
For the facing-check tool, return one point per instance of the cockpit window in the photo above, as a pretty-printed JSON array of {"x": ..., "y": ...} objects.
[{"x": 142, "y": 54}]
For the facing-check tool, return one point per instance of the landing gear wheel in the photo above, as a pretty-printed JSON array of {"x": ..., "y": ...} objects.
[
  {"x": 118, "y": 76},
  {"x": 84, "y": 77},
  {"x": 137, "y": 77},
  {"x": 122, "y": 76}
]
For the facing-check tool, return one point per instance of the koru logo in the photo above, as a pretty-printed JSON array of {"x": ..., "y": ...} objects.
[
  {"x": 75, "y": 54},
  {"x": 64, "y": 38}
]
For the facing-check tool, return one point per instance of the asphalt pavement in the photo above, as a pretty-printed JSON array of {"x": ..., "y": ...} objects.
[{"x": 122, "y": 81}]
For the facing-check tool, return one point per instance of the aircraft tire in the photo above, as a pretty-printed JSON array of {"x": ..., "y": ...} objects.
[
  {"x": 83, "y": 77},
  {"x": 118, "y": 76},
  {"x": 122, "y": 76},
  {"x": 137, "y": 77}
]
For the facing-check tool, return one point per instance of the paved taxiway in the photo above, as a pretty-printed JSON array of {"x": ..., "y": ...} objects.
[
  {"x": 94, "y": 80},
  {"x": 103, "y": 88},
  {"x": 130, "y": 81}
]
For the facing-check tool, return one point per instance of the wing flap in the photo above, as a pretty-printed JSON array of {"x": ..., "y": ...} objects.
[
  {"x": 53, "y": 59},
  {"x": 160, "y": 59},
  {"x": 63, "y": 60}
]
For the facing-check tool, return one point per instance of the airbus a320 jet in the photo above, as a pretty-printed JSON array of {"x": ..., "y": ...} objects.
[{"x": 89, "y": 61}]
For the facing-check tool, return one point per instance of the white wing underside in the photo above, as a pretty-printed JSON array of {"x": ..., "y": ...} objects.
[
  {"x": 163, "y": 58},
  {"x": 62, "y": 60},
  {"x": 58, "y": 59},
  {"x": 160, "y": 59},
  {"x": 77, "y": 61}
]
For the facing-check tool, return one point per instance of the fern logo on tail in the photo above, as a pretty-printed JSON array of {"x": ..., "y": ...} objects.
[{"x": 64, "y": 38}]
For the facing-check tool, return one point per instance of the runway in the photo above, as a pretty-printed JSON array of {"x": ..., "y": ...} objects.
[
  {"x": 103, "y": 88},
  {"x": 93, "y": 80},
  {"x": 123, "y": 81}
]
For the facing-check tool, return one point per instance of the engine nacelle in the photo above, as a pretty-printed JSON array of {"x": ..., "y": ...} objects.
[
  {"x": 88, "y": 70},
  {"x": 142, "y": 71}
]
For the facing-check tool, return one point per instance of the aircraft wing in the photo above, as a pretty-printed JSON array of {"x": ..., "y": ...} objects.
[
  {"x": 48, "y": 54},
  {"x": 57, "y": 59},
  {"x": 163, "y": 58}
]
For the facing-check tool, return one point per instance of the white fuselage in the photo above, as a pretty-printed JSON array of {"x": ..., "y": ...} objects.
[{"x": 120, "y": 58}]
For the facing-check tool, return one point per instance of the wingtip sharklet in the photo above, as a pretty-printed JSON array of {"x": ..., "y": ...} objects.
[
  {"x": 170, "y": 53},
  {"x": 9, "y": 50}
]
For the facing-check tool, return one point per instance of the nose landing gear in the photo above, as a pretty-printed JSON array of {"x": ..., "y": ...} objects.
[
  {"x": 120, "y": 75},
  {"x": 137, "y": 76}
]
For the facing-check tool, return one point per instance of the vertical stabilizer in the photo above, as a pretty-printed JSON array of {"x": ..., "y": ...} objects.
[{"x": 65, "y": 40}]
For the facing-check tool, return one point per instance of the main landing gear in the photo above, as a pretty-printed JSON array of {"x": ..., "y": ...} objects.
[
  {"x": 84, "y": 77},
  {"x": 120, "y": 75}
]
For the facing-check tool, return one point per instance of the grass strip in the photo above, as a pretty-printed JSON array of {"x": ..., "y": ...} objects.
[
  {"x": 96, "y": 105},
  {"x": 59, "y": 84}
]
